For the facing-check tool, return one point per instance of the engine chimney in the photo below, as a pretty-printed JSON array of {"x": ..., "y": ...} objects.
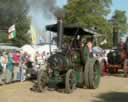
[
  {"x": 60, "y": 30},
  {"x": 115, "y": 37}
]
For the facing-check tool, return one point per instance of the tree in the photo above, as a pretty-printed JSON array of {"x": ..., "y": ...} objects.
[
  {"x": 119, "y": 20},
  {"x": 15, "y": 12},
  {"x": 90, "y": 13}
]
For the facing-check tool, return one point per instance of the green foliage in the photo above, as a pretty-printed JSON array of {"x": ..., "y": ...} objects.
[
  {"x": 90, "y": 13},
  {"x": 77, "y": 9},
  {"x": 15, "y": 12},
  {"x": 3, "y": 37},
  {"x": 119, "y": 21}
]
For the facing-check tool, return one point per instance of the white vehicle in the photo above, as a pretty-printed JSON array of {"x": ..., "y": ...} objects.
[{"x": 101, "y": 55}]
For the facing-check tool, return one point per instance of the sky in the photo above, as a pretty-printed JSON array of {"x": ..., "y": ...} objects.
[
  {"x": 119, "y": 4},
  {"x": 41, "y": 21}
]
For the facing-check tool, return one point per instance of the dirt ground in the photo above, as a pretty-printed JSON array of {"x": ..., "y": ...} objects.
[{"x": 112, "y": 89}]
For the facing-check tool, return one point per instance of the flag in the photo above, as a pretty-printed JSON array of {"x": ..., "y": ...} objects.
[
  {"x": 33, "y": 35},
  {"x": 12, "y": 32}
]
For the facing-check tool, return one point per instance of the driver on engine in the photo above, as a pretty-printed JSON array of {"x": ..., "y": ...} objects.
[{"x": 87, "y": 50}]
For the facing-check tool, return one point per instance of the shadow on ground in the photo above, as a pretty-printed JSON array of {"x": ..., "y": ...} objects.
[{"x": 112, "y": 97}]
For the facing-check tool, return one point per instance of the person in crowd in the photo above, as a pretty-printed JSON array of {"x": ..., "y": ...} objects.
[
  {"x": 47, "y": 55},
  {"x": 38, "y": 58},
  {"x": 44, "y": 55},
  {"x": 4, "y": 61},
  {"x": 22, "y": 66},
  {"x": 16, "y": 59},
  {"x": 121, "y": 44},
  {"x": 1, "y": 71},
  {"x": 30, "y": 66},
  {"x": 36, "y": 55},
  {"x": 41, "y": 61},
  {"x": 9, "y": 68}
]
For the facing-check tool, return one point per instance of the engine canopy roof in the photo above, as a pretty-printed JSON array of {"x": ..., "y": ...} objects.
[{"x": 72, "y": 30}]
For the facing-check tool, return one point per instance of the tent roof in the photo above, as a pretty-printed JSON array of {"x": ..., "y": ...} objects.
[
  {"x": 72, "y": 30},
  {"x": 6, "y": 47}
]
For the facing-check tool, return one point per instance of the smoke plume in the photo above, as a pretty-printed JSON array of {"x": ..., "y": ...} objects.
[
  {"x": 47, "y": 7},
  {"x": 43, "y": 10}
]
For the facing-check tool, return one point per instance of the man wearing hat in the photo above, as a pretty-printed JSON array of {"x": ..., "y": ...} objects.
[{"x": 86, "y": 50}]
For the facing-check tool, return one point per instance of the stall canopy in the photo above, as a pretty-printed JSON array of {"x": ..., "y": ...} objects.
[{"x": 71, "y": 30}]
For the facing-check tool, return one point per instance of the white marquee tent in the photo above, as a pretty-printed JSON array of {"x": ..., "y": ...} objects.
[{"x": 31, "y": 50}]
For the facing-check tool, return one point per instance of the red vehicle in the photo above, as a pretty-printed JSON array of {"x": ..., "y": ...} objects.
[{"x": 117, "y": 58}]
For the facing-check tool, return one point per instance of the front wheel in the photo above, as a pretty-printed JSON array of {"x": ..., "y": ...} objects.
[{"x": 70, "y": 81}]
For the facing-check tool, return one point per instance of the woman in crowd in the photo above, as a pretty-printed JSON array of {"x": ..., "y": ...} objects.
[
  {"x": 9, "y": 69},
  {"x": 16, "y": 59}
]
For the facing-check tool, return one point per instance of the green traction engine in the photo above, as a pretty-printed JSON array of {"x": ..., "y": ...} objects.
[{"x": 65, "y": 69}]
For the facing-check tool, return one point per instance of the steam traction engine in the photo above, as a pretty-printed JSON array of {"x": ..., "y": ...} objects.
[
  {"x": 117, "y": 57},
  {"x": 65, "y": 68}
]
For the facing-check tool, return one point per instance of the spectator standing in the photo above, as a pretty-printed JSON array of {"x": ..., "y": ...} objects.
[
  {"x": 39, "y": 61},
  {"x": 47, "y": 55},
  {"x": 22, "y": 66},
  {"x": 9, "y": 70},
  {"x": 39, "y": 58},
  {"x": 16, "y": 58},
  {"x": 43, "y": 65},
  {"x": 44, "y": 55},
  {"x": 4, "y": 61},
  {"x": 1, "y": 71}
]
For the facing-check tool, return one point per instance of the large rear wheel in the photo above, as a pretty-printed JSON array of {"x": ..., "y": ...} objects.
[
  {"x": 86, "y": 72},
  {"x": 92, "y": 74}
]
